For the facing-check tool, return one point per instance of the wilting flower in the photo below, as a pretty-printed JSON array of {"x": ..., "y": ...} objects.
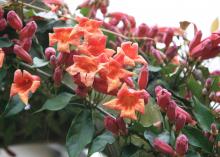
[
  {"x": 114, "y": 72},
  {"x": 14, "y": 20},
  {"x": 61, "y": 36},
  {"x": 28, "y": 31},
  {"x": 143, "y": 77},
  {"x": 2, "y": 56},
  {"x": 127, "y": 101},
  {"x": 181, "y": 145},
  {"x": 21, "y": 53},
  {"x": 116, "y": 126},
  {"x": 163, "y": 147},
  {"x": 24, "y": 84},
  {"x": 130, "y": 55},
  {"x": 87, "y": 67}
]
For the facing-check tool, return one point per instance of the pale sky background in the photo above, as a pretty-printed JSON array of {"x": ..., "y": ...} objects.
[{"x": 168, "y": 13}]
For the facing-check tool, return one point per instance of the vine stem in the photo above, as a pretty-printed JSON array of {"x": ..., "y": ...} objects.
[{"x": 103, "y": 29}]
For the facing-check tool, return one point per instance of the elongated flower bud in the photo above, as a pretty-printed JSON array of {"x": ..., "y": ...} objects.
[
  {"x": 57, "y": 76},
  {"x": 26, "y": 44},
  {"x": 196, "y": 40},
  {"x": 168, "y": 37},
  {"x": 163, "y": 98},
  {"x": 163, "y": 147},
  {"x": 180, "y": 111},
  {"x": 3, "y": 24},
  {"x": 181, "y": 145},
  {"x": 14, "y": 20},
  {"x": 121, "y": 126},
  {"x": 143, "y": 77},
  {"x": 171, "y": 52},
  {"x": 171, "y": 111},
  {"x": 145, "y": 95},
  {"x": 53, "y": 61},
  {"x": 111, "y": 125},
  {"x": 49, "y": 52},
  {"x": 214, "y": 129},
  {"x": 180, "y": 122},
  {"x": 129, "y": 82},
  {"x": 153, "y": 31},
  {"x": 21, "y": 53},
  {"x": 202, "y": 48},
  {"x": 81, "y": 91},
  {"x": 142, "y": 30},
  {"x": 29, "y": 30}
]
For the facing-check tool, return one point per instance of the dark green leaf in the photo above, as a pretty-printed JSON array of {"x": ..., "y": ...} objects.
[
  {"x": 192, "y": 154},
  {"x": 80, "y": 133},
  {"x": 57, "y": 103},
  {"x": 203, "y": 115},
  {"x": 197, "y": 139},
  {"x": 5, "y": 42},
  {"x": 3, "y": 73},
  {"x": 195, "y": 87},
  {"x": 14, "y": 106},
  {"x": 100, "y": 142},
  {"x": 39, "y": 62},
  {"x": 85, "y": 11},
  {"x": 129, "y": 151}
]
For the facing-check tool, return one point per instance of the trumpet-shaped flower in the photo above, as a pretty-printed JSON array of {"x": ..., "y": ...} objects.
[
  {"x": 61, "y": 36},
  {"x": 114, "y": 73},
  {"x": 128, "y": 101},
  {"x": 128, "y": 54},
  {"x": 87, "y": 67},
  {"x": 24, "y": 84}
]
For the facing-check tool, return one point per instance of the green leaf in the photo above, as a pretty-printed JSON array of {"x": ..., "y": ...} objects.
[
  {"x": 39, "y": 62},
  {"x": 152, "y": 114},
  {"x": 85, "y": 11},
  {"x": 197, "y": 139},
  {"x": 58, "y": 102},
  {"x": 152, "y": 68},
  {"x": 3, "y": 73},
  {"x": 80, "y": 133},
  {"x": 129, "y": 151},
  {"x": 100, "y": 142},
  {"x": 195, "y": 87},
  {"x": 203, "y": 115},
  {"x": 5, "y": 42},
  {"x": 192, "y": 154},
  {"x": 14, "y": 106},
  {"x": 170, "y": 68}
]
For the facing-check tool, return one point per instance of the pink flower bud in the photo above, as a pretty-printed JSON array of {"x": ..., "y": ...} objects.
[
  {"x": 196, "y": 40},
  {"x": 57, "y": 76},
  {"x": 158, "y": 89},
  {"x": 1, "y": 12},
  {"x": 180, "y": 122},
  {"x": 163, "y": 99},
  {"x": 171, "y": 111},
  {"x": 53, "y": 61},
  {"x": 142, "y": 30},
  {"x": 181, "y": 145},
  {"x": 143, "y": 77},
  {"x": 121, "y": 126},
  {"x": 163, "y": 147},
  {"x": 21, "y": 53},
  {"x": 180, "y": 111},
  {"x": 145, "y": 95},
  {"x": 3, "y": 24},
  {"x": 29, "y": 30},
  {"x": 208, "y": 83},
  {"x": 61, "y": 59},
  {"x": 153, "y": 31},
  {"x": 111, "y": 125},
  {"x": 14, "y": 20},
  {"x": 49, "y": 52},
  {"x": 26, "y": 44},
  {"x": 171, "y": 52},
  {"x": 159, "y": 56},
  {"x": 129, "y": 82},
  {"x": 168, "y": 37}
]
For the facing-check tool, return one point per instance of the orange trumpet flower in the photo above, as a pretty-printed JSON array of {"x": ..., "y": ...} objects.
[
  {"x": 24, "y": 84},
  {"x": 128, "y": 101}
]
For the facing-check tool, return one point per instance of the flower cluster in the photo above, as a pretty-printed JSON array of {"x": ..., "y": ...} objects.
[
  {"x": 174, "y": 113},
  {"x": 95, "y": 66}
]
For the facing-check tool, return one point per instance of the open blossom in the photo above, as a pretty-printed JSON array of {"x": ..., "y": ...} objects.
[
  {"x": 24, "y": 84},
  {"x": 2, "y": 56},
  {"x": 87, "y": 67},
  {"x": 61, "y": 36},
  {"x": 128, "y": 101},
  {"x": 129, "y": 54},
  {"x": 113, "y": 72}
]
